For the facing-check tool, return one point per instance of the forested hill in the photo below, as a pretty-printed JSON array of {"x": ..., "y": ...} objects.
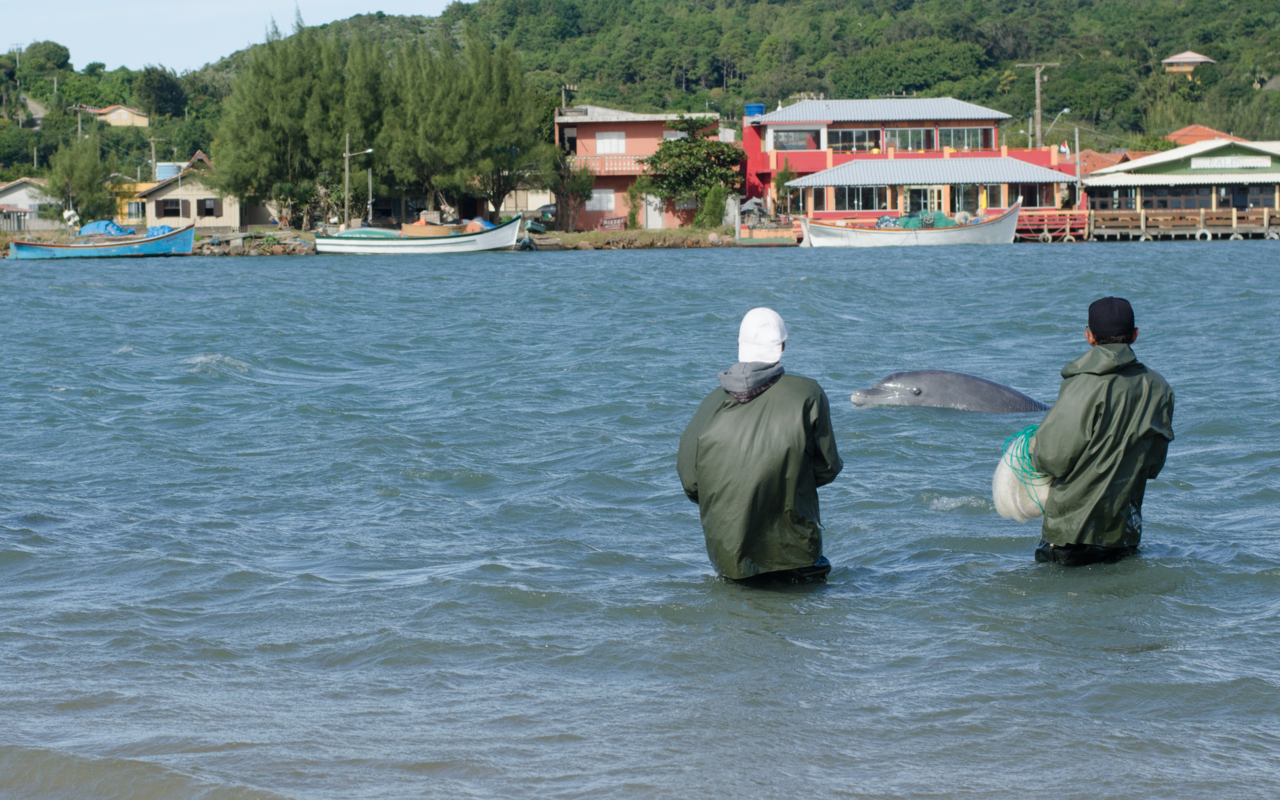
[
  {"x": 695, "y": 54},
  {"x": 683, "y": 55}
]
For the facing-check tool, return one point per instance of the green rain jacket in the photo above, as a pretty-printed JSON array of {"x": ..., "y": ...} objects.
[
  {"x": 754, "y": 470},
  {"x": 1107, "y": 435}
]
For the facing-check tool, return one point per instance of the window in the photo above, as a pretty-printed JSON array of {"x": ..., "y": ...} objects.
[
  {"x": 796, "y": 140},
  {"x": 169, "y": 208},
  {"x": 862, "y": 198},
  {"x": 601, "y": 200},
  {"x": 687, "y": 204},
  {"x": 208, "y": 207},
  {"x": 819, "y": 199},
  {"x": 853, "y": 141},
  {"x": 611, "y": 143},
  {"x": 137, "y": 210},
  {"x": 669, "y": 135},
  {"x": 1034, "y": 195},
  {"x": 968, "y": 197},
  {"x": 966, "y": 138},
  {"x": 910, "y": 138}
]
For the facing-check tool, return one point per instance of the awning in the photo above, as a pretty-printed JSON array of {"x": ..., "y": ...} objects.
[{"x": 931, "y": 172}]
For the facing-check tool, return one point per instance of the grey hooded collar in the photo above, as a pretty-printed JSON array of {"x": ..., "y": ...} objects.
[{"x": 748, "y": 380}]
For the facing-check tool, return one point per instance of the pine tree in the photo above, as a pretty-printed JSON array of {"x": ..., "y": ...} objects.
[{"x": 78, "y": 179}]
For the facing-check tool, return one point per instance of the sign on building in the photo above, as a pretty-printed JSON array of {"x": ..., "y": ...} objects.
[{"x": 1232, "y": 162}]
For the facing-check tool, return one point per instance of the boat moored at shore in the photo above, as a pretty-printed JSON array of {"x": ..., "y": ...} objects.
[{"x": 372, "y": 241}]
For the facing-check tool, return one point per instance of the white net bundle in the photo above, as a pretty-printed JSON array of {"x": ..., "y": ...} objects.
[{"x": 1018, "y": 488}]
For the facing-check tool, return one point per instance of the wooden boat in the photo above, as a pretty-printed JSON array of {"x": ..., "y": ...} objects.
[
  {"x": 996, "y": 230},
  {"x": 375, "y": 241},
  {"x": 175, "y": 243}
]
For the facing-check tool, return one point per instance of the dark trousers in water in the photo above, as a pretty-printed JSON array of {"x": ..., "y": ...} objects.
[
  {"x": 1079, "y": 555},
  {"x": 814, "y": 574}
]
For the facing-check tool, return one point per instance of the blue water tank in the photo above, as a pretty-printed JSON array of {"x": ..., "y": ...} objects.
[
  {"x": 168, "y": 169},
  {"x": 755, "y": 109}
]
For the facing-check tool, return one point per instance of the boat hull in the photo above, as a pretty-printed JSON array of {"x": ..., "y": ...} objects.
[
  {"x": 503, "y": 237},
  {"x": 177, "y": 243},
  {"x": 999, "y": 230}
]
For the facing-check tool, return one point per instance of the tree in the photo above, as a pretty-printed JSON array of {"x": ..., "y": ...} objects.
[
  {"x": 502, "y": 126},
  {"x": 78, "y": 179},
  {"x": 420, "y": 138},
  {"x": 688, "y": 167},
  {"x": 781, "y": 178},
  {"x": 158, "y": 91},
  {"x": 571, "y": 187}
]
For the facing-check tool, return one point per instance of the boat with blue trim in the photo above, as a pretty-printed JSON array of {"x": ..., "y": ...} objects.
[{"x": 173, "y": 243}]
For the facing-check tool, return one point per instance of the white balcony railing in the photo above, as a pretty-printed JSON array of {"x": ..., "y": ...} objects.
[{"x": 609, "y": 165}]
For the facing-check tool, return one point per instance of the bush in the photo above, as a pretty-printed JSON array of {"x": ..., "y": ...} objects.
[{"x": 711, "y": 208}]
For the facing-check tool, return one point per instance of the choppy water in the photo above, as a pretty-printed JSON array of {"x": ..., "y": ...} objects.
[{"x": 353, "y": 527}]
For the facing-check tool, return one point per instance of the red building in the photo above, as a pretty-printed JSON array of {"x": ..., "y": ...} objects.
[
  {"x": 814, "y": 136},
  {"x": 611, "y": 143}
]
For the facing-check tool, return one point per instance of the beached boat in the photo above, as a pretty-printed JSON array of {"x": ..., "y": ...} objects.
[
  {"x": 996, "y": 230},
  {"x": 375, "y": 241},
  {"x": 174, "y": 243}
]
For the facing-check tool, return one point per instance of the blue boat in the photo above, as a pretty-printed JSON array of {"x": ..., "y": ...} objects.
[{"x": 175, "y": 243}]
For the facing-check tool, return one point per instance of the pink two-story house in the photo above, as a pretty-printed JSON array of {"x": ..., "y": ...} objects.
[{"x": 611, "y": 143}]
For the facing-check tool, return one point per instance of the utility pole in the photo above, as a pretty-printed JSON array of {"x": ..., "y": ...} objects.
[
  {"x": 370, "y": 203},
  {"x": 1079, "y": 188},
  {"x": 154, "y": 171},
  {"x": 1039, "y": 67},
  {"x": 346, "y": 192}
]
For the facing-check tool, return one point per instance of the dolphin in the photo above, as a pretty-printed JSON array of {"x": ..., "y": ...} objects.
[{"x": 940, "y": 388}]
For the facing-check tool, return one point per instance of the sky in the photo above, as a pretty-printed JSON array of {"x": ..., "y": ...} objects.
[{"x": 182, "y": 35}]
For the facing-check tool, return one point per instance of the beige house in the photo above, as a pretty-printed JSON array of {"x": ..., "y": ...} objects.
[
  {"x": 122, "y": 116},
  {"x": 184, "y": 199}
]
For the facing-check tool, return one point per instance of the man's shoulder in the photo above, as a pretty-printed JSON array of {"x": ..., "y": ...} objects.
[{"x": 798, "y": 384}]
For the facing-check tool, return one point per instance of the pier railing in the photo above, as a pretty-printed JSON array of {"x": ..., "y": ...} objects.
[{"x": 1203, "y": 223}]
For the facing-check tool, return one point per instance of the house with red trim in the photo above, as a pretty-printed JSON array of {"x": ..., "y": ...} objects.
[
  {"x": 610, "y": 143},
  {"x": 926, "y": 138}
]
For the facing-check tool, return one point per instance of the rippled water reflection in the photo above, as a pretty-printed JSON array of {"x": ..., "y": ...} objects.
[{"x": 360, "y": 527}]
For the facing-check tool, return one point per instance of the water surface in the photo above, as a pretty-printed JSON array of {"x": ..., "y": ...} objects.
[{"x": 373, "y": 527}]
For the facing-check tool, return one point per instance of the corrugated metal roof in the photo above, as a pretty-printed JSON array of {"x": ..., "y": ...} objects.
[
  {"x": 1187, "y": 151},
  {"x": 930, "y": 172},
  {"x": 906, "y": 109},
  {"x": 1199, "y": 179},
  {"x": 585, "y": 114}
]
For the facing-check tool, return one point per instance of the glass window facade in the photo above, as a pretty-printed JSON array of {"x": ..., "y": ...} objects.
[
  {"x": 853, "y": 141},
  {"x": 862, "y": 198},
  {"x": 968, "y": 197},
  {"x": 1181, "y": 198},
  {"x": 796, "y": 140},
  {"x": 910, "y": 138},
  {"x": 967, "y": 138},
  {"x": 820, "y": 199}
]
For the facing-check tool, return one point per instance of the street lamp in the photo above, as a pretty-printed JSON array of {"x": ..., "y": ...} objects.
[
  {"x": 1055, "y": 120},
  {"x": 346, "y": 199}
]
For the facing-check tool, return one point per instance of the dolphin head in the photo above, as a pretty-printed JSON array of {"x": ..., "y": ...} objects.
[{"x": 895, "y": 390}]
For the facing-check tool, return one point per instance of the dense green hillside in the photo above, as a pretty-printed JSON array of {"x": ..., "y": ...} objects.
[{"x": 698, "y": 54}]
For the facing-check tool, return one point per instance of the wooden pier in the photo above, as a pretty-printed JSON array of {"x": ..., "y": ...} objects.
[{"x": 1202, "y": 224}]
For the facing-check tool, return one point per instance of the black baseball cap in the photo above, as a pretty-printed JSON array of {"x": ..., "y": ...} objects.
[{"x": 1110, "y": 316}]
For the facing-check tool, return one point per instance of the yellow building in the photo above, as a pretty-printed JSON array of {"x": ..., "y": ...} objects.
[
  {"x": 122, "y": 116},
  {"x": 130, "y": 210}
]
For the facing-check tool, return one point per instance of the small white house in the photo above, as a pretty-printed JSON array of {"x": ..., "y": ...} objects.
[
  {"x": 184, "y": 199},
  {"x": 29, "y": 194}
]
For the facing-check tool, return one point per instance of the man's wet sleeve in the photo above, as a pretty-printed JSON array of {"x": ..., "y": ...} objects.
[
  {"x": 826, "y": 461},
  {"x": 687, "y": 455}
]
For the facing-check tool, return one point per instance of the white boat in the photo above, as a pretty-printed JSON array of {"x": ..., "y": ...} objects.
[
  {"x": 377, "y": 241},
  {"x": 997, "y": 230}
]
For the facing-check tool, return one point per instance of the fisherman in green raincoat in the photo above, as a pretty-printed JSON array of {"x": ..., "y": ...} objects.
[
  {"x": 753, "y": 458},
  {"x": 1105, "y": 437}
]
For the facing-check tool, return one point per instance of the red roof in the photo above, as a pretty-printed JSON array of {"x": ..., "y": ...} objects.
[
  {"x": 112, "y": 108},
  {"x": 1091, "y": 160},
  {"x": 1199, "y": 133}
]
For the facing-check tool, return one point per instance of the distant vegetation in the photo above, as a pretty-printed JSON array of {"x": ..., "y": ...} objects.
[{"x": 690, "y": 55}]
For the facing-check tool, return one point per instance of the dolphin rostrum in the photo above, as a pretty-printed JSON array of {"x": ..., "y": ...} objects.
[{"x": 940, "y": 388}]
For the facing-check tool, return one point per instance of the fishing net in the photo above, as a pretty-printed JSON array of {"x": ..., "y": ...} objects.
[{"x": 1018, "y": 488}]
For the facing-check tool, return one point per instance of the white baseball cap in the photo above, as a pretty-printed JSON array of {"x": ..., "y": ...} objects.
[{"x": 761, "y": 335}]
